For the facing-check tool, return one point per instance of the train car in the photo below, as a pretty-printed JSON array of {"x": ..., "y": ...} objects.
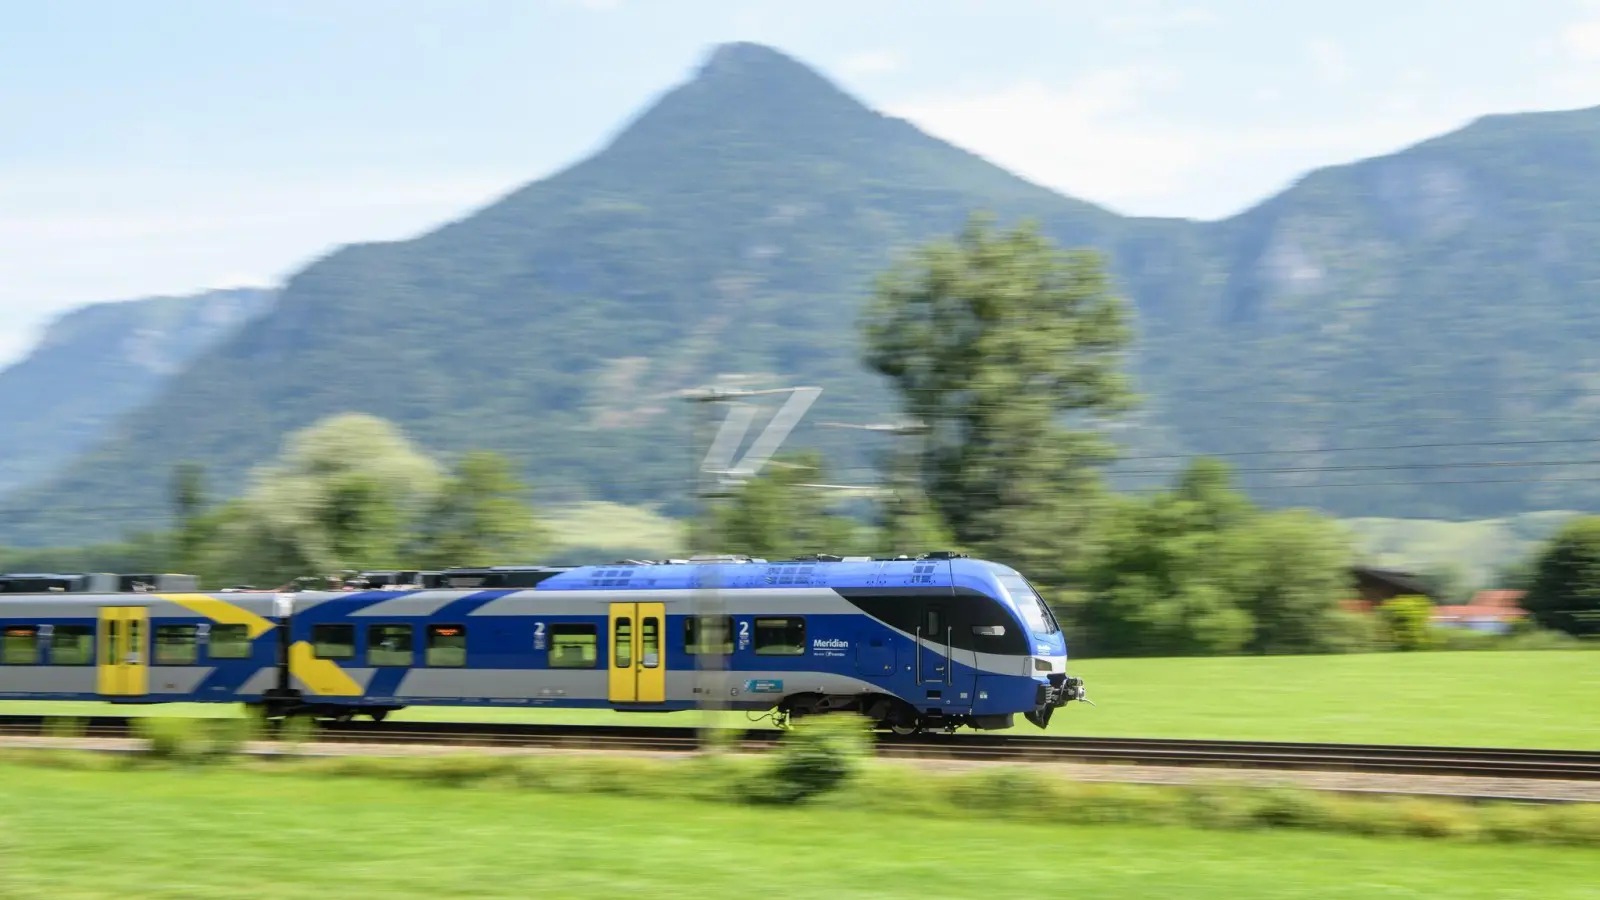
[
  {"x": 935, "y": 642},
  {"x": 135, "y": 639}
]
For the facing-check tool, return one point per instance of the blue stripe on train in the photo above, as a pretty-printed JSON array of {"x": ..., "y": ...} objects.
[{"x": 386, "y": 680}]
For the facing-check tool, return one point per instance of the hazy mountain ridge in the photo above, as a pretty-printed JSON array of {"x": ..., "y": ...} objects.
[
  {"x": 97, "y": 363},
  {"x": 1435, "y": 296}
]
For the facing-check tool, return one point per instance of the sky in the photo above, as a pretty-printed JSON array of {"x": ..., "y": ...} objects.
[{"x": 170, "y": 146}]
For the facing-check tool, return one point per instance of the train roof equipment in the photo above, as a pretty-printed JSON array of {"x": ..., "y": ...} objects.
[{"x": 95, "y": 583}]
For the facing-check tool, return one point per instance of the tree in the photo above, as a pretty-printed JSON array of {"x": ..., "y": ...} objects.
[
  {"x": 344, "y": 493},
  {"x": 1200, "y": 570},
  {"x": 479, "y": 517},
  {"x": 1565, "y": 594},
  {"x": 1159, "y": 588},
  {"x": 993, "y": 342},
  {"x": 1292, "y": 571},
  {"x": 1409, "y": 618}
]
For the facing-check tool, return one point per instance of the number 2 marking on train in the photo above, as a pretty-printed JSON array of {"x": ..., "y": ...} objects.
[
  {"x": 538, "y": 635},
  {"x": 744, "y": 633}
]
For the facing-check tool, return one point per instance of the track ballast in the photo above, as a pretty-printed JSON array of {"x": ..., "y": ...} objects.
[{"x": 1415, "y": 760}]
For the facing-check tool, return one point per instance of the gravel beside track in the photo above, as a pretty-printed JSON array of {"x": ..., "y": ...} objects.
[{"x": 1551, "y": 775}]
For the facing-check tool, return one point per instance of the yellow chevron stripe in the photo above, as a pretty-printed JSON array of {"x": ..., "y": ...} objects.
[
  {"x": 221, "y": 611},
  {"x": 320, "y": 676}
]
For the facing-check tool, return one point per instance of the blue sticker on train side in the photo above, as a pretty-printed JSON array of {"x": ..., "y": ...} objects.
[{"x": 763, "y": 686}]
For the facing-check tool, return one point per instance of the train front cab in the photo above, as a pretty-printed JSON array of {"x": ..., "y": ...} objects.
[{"x": 1046, "y": 659}]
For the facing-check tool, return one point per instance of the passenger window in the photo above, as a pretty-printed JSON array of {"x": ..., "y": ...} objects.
[
  {"x": 622, "y": 643},
  {"x": 333, "y": 641},
  {"x": 650, "y": 636},
  {"x": 19, "y": 645},
  {"x": 708, "y": 634},
  {"x": 447, "y": 645},
  {"x": 175, "y": 645},
  {"x": 72, "y": 645},
  {"x": 780, "y": 637},
  {"x": 572, "y": 646},
  {"x": 233, "y": 641},
  {"x": 389, "y": 645}
]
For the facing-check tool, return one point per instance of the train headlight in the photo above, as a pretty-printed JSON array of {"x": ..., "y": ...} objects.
[{"x": 1041, "y": 665}]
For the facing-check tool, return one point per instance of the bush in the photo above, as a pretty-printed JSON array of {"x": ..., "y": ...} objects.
[
  {"x": 1455, "y": 639},
  {"x": 1355, "y": 632},
  {"x": 813, "y": 758},
  {"x": 168, "y": 738},
  {"x": 228, "y": 737},
  {"x": 1409, "y": 619},
  {"x": 1540, "y": 639}
]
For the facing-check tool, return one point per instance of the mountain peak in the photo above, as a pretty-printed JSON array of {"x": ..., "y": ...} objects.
[
  {"x": 748, "y": 103},
  {"x": 743, "y": 57}
]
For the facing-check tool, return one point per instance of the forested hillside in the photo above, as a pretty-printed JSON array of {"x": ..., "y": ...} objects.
[{"x": 1439, "y": 297}]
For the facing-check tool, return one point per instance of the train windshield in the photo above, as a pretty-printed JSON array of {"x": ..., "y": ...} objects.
[{"x": 1033, "y": 609}]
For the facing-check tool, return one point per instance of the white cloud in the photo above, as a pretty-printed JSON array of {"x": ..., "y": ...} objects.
[
  {"x": 1575, "y": 53},
  {"x": 1098, "y": 139},
  {"x": 1581, "y": 39},
  {"x": 878, "y": 62},
  {"x": 1130, "y": 18},
  {"x": 1328, "y": 59}
]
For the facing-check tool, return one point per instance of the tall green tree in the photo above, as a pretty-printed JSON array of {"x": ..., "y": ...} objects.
[
  {"x": 479, "y": 517},
  {"x": 345, "y": 493},
  {"x": 1565, "y": 594},
  {"x": 995, "y": 341}
]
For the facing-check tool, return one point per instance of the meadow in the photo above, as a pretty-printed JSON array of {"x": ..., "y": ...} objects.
[
  {"x": 1488, "y": 698},
  {"x": 223, "y": 832}
]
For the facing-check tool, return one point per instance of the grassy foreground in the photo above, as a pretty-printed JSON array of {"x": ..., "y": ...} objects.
[
  {"x": 221, "y": 832},
  {"x": 1487, "y": 698}
]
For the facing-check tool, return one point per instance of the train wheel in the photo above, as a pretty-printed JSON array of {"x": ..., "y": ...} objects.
[{"x": 905, "y": 730}]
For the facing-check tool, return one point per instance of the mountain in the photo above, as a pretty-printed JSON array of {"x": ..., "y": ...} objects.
[
  {"x": 1436, "y": 302},
  {"x": 733, "y": 227},
  {"x": 1436, "y": 297},
  {"x": 98, "y": 363}
]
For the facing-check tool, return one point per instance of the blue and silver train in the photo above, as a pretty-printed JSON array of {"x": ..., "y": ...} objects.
[{"x": 939, "y": 641}]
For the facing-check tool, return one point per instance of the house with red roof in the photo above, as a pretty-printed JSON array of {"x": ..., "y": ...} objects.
[{"x": 1493, "y": 611}]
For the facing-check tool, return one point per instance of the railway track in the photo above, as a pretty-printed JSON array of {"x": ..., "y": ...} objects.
[{"x": 1509, "y": 763}]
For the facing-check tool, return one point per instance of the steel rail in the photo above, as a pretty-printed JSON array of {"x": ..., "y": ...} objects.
[{"x": 1379, "y": 758}]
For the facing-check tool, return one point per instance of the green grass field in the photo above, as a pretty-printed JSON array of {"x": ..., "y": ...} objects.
[
  {"x": 1491, "y": 698},
  {"x": 219, "y": 833}
]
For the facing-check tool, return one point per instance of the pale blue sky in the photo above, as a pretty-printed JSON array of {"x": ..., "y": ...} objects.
[{"x": 164, "y": 146}]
